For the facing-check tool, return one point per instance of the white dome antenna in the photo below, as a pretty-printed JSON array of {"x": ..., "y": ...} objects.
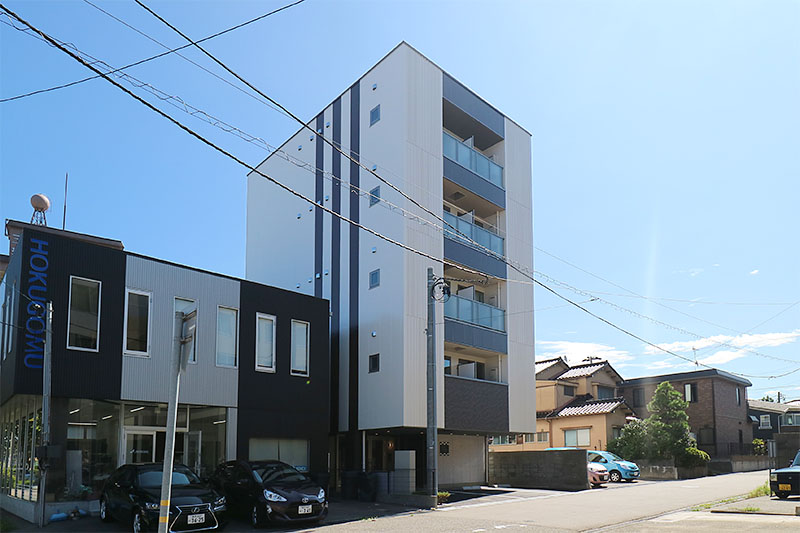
[{"x": 41, "y": 204}]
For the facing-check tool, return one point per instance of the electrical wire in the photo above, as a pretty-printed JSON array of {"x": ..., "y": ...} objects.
[{"x": 57, "y": 44}]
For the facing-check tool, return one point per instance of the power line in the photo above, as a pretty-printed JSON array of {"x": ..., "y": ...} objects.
[
  {"x": 170, "y": 51},
  {"x": 76, "y": 57}
]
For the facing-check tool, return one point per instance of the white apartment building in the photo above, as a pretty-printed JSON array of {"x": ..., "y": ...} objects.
[{"x": 423, "y": 131}]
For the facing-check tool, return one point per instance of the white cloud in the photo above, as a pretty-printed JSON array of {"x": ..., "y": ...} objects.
[
  {"x": 750, "y": 341},
  {"x": 752, "y": 272},
  {"x": 576, "y": 352},
  {"x": 722, "y": 357}
]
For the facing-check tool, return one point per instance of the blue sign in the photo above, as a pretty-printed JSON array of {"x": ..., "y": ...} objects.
[{"x": 36, "y": 323}]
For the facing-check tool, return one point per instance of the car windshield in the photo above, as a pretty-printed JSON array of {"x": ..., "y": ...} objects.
[
  {"x": 614, "y": 457},
  {"x": 276, "y": 472},
  {"x": 181, "y": 476},
  {"x": 797, "y": 459}
]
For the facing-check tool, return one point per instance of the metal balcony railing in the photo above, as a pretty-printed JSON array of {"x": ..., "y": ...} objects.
[
  {"x": 480, "y": 235},
  {"x": 477, "y": 313},
  {"x": 470, "y": 158}
]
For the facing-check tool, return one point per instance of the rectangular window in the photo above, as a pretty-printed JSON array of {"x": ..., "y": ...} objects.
[
  {"x": 542, "y": 436},
  {"x": 577, "y": 437},
  {"x": 300, "y": 342},
  {"x": 604, "y": 392},
  {"x": 705, "y": 437},
  {"x": 638, "y": 397},
  {"x": 137, "y": 322},
  {"x": 569, "y": 391},
  {"x": 738, "y": 396},
  {"x": 375, "y": 115},
  {"x": 765, "y": 422},
  {"x": 265, "y": 343},
  {"x": 375, "y": 196},
  {"x": 374, "y": 363},
  {"x": 84, "y": 314},
  {"x": 448, "y": 369},
  {"x": 374, "y": 278},
  {"x": 690, "y": 392},
  {"x": 227, "y": 336},
  {"x": 616, "y": 432},
  {"x": 186, "y": 306}
]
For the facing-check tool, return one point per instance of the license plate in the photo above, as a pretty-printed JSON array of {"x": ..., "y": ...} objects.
[
  {"x": 784, "y": 486},
  {"x": 196, "y": 518},
  {"x": 304, "y": 509}
]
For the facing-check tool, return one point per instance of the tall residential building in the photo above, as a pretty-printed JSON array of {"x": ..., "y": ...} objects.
[{"x": 432, "y": 137}]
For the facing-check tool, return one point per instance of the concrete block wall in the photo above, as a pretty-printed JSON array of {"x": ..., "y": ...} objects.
[{"x": 555, "y": 469}]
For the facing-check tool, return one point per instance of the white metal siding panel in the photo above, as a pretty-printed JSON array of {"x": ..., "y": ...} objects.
[{"x": 203, "y": 383}]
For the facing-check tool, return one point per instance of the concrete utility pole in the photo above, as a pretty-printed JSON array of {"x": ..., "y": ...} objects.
[
  {"x": 47, "y": 368},
  {"x": 432, "y": 437},
  {"x": 177, "y": 366}
]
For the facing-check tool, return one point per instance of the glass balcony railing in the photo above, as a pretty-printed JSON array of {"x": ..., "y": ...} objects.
[
  {"x": 470, "y": 158},
  {"x": 473, "y": 312},
  {"x": 482, "y": 236}
]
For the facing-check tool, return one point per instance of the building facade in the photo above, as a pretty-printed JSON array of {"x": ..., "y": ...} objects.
[
  {"x": 429, "y": 135},
  {"x": 256, "y": 385},
  {"x": 718, "y": 417}
]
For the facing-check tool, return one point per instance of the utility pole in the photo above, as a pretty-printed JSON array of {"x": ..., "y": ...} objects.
[
  {"x": 47, "y": 366},
  {"x": 177, "y": 366},
  {"x": 432, "y": 437}
]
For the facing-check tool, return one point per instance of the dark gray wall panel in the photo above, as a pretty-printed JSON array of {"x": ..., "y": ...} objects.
[
  {"x": 469, "y": 335},
  {"x": 474, "y": 183},
  {"x": 475, "y": 405},
  {"x": 472, "y": 257},
  {"x": 470, "y": 103},
  {"x": 555, "y": 469}
]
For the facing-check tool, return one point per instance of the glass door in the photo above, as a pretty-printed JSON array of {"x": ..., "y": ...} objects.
[
  {"x": 140, "y": 446},
  {"x": 191, "y": 446}
]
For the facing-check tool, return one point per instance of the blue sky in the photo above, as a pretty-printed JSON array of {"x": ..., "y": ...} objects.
[{"x": 665, "y": 148}]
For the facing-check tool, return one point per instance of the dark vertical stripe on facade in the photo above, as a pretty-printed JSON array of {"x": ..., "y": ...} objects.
[
  {"x": 355, "y": 148},
  {"x": 319, "y": 191},
  {"x": 336, "y": 259}
]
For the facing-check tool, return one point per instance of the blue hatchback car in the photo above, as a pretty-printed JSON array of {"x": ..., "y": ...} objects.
[{"x": 617, "y": 468}]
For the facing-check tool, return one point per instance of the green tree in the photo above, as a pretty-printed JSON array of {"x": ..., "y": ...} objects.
[
  {"x": 668, "y": 424},
  {"x": 767, "y": 398},
  {"x": 632, "y": 442}
]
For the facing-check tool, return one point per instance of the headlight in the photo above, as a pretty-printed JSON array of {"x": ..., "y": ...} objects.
[
  {"x": 150, "y": 506},
  {"x": 219, "y": 501},
  {"x": 773, "y": 477},
  {"x": 321, "y": 495},
  {"x": 273, "y": 497}
]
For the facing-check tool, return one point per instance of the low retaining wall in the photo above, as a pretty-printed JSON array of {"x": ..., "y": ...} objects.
[
  {"x": 749, "y": 463},
  {"x": 555, "y": 469},
  {"x": 662, "y": 470}
]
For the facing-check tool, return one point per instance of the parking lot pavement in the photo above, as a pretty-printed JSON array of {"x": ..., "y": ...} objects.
[{"x": 684, "y": 521}]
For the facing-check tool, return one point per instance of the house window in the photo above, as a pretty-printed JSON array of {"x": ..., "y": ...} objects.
[
  {"x": 765, "y": 422},
  {"x": 705, "y": 437},
  {"x": 738, "y": 396},
  {"x": 84, "y": 314},
  {"x": 605, "y": 392},
  {"x": 300, "y": 342},
  {"x": 137, "y": 322},
  {"x": 265, "y": 343},
  {"x": 616, "y": 432},
  {"x": 227, "y": 336},
  {"x": 690, "y": 392},
  {"x": 448, "y": 369},
  {"x": 638, "y": 397},
  {"x": 577, "y": 437},
  {"x": 569, "y": 391},
  {"x": 542, "y": 436},
  {"x": 186, "y": 306},
  {"x": 374, "y": 278},
  {"x": 374, "y": 363},
  {"x": 375, "y": 115},
  {"x": 375, "y": 196},
  {"x": 480, "y": 297}
]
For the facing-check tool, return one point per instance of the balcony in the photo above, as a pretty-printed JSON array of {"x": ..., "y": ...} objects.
[
  {"x": 475, "y": 405},
  {"x": 471, "y": 159},
  {"x": 484, "y": 237},
  {"x": 476, "y": 313}
]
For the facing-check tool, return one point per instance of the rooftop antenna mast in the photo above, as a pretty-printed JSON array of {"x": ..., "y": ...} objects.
[
  {"x": 592, "y": 359},
  {"x": 41, "y": 204},
  {"x": 64, "y": 219}
]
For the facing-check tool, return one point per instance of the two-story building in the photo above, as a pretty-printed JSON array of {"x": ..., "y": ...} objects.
[
  {"x": 718, "y": 417},
  {"x": 256, "y": 384}
]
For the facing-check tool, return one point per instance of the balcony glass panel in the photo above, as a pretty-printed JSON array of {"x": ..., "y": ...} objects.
[
  {"x": 482, "y": 236},
  {"x": 473, "y": 312},
  {"x": 472, "y": 159}
]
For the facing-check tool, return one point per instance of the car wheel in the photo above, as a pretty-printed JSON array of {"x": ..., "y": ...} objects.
[
  {"x": 255, "y": 517},
  {"x": 137, "y": 524},
  {"x": 782, "y": 494},
  {"x": 105, "y": 516},
  {"x": 615, "y": 476}
]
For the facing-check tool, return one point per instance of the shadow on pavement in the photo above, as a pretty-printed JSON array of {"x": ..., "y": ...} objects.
[{"x": 464, "y": 495}]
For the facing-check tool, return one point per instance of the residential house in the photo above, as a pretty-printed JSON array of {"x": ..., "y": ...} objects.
[{"x": 767, "y": 418}]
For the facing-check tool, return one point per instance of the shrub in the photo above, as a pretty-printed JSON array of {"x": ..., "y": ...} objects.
[
  {"x": 692, "y": 457},
  {"x": 759, "y": 447},
  {"x": 442, "y": 496}
]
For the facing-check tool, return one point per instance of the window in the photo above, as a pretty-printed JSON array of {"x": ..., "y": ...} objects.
[
  {"x": 137, "y": 322},
  {"x": 374, "y": 278},
  {"x": 374, "y": 363},
  {"x": 9, "y": 319},
  {"x": 375, "y": 196},
  {"x": 290, "y": 451},
  {"x": 569, "y": 391},
  {"x": 300, "y": 342},
  {"x": 690, "y": 392},
  {"x": 375, "y": 115},
  {"x": 616, "y": 432},
  {"x": 705, "y": 437},
  {"x": 444, "y": 448},
  {"x": 765, "y": 422},
  {"x": 604, "y": 392},
  {"x": 186, "y": 306},
  {"x": 479, "y": 296},
  {"x": 265, "y": 343},
  {"x": 227, "y": 336},
  {"x": 638, "y": 397},
  {"x": 738, "y": 396},
  {"x": 447, "y": 365},
  {"x": 84, "y": 314},
  {"x": 542, "y": 436},
  {"x": 577, "y": 437}
]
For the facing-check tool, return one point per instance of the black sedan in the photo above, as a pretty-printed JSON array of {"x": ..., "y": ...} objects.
[
  {"x": 786, "y": 481},
  {"x": 270, "y": 491},
  {"x": 133, "y": 492}
]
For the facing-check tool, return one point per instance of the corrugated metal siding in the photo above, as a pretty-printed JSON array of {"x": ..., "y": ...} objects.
[{"x": 203, "y": 383}]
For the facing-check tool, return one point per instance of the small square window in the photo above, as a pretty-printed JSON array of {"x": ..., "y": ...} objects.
[
  {"x": 374, "y": 278},
  {"x": 374, "y": 363},
  {"x": 375, "y": 196},
  {"x": 375, "y": 114},
  {"x": 444, "y": 448}
]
